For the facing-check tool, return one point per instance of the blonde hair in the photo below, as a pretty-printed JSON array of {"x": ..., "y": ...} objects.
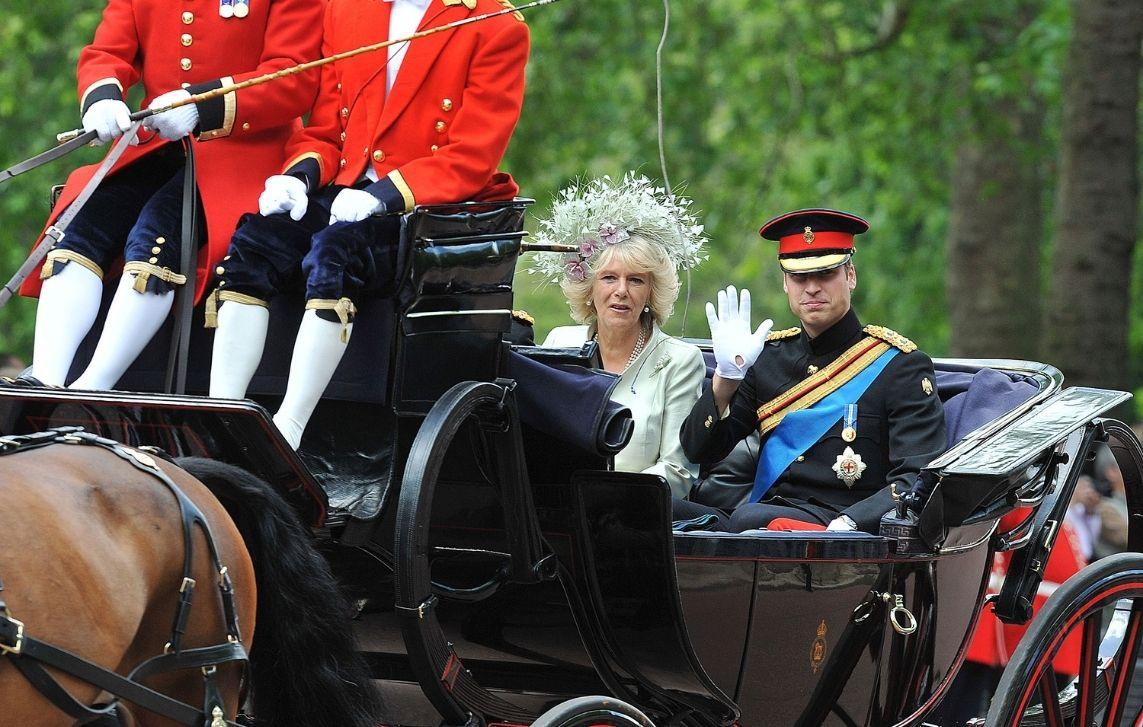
[{"x": 640, "y": 256}]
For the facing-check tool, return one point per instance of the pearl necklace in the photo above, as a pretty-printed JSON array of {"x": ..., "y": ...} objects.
[{"x": 639, "y": 343}]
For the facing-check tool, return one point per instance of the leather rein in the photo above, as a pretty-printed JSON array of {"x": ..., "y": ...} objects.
[{"x": 30, "y": 655}]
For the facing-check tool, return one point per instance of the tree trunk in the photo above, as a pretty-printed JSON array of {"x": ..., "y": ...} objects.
[
  {"x": 995, "y": 225},
  {"x": 1096, "y": 214}
]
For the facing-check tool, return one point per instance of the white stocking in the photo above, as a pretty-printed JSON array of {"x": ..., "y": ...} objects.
[
  {"x": 317, "y": 352},
  {"x": 238, "y": 343},
  {"x": 69, "y": 303},
  {"x": 131, "y": 323}
]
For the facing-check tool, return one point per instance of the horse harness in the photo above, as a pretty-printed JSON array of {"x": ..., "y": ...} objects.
[{"x": 30, "y": 655}]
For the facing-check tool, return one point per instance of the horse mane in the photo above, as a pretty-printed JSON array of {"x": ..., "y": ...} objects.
[{"x": 305, "y": 668}]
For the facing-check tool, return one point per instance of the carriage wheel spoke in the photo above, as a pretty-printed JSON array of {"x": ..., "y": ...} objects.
[
  {"x": 1050, "y": 698},
  {"x": 1126, "y": 668},
  {"x": 1088, "y": 666}
]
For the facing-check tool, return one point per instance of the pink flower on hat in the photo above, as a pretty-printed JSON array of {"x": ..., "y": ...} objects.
[
  {"x": 575, "y": 271},
  {"x": 586, "y": 247},
  {"x": 611, "y": 235}
]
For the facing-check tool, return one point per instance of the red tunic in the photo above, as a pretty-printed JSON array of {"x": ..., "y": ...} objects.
[
  {"x": 168, "y": 45},
  {"x": 442, "y": 131},
  {"x": 993, "y": 642}
]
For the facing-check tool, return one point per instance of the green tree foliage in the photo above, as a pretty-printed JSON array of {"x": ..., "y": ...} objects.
[
  {"x": 40, "y": 44},
  {"x": 771, "y": 108}
]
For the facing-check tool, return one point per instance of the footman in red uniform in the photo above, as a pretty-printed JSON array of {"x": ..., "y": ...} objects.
[
  {"x": 427, "y": 122},
  {"x": 174, "y": 49}
]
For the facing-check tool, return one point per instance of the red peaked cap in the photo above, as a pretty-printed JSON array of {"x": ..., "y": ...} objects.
[{"x": 812, "y": 240}]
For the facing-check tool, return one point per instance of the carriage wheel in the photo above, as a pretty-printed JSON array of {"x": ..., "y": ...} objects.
[
  {"x": 1103, "y": 603},
  {"x": 588, "y": 711}
]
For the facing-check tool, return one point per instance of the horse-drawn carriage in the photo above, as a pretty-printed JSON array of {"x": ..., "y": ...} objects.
[{"x": 500, "y": 573}]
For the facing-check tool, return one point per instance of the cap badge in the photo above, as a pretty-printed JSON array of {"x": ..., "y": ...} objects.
[
  {"x": 849, "y": 467},
  {"x": 927, "y": 386},
  {"x": 808, "y": 236}
]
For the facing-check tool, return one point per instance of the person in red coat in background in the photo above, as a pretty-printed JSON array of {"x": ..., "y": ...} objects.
[
  {"x": 426, "y": 122},
  {"x": 174, "y": 49},
  {"x": 994, "y": 642}
]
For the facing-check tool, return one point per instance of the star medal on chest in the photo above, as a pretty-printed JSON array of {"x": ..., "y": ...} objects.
[
  {"x": 849, "y": 467},
  {"x": 849, "y": 429},
  {"x": 226, "y": 8},
  {"x": 241, "y": 8}
]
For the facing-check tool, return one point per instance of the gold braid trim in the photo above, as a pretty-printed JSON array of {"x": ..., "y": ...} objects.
[
  {"x": 229, "y": 111},
  {"x": 215, "y": 299},
  {"x": 343, "y": 307},
  {"x": 143, "y": 272},
  {"x": 821, "y": 384},
  {"x": 402, "y": 187},
  {"x": 302, "y": 157},
  {"x": 784, "y": 333},
  {"x": 888, "y": 335},
  {"x": 67, "y": 256}
]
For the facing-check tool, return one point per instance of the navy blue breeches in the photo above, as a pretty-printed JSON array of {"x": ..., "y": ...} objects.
[
  {"x": 137, "y": 214},
  {"x": 342, "y": 260}
]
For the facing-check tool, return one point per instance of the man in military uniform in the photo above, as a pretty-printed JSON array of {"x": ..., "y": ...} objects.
[
  {"x": 173, "y": 50},
  {"x": 426, "y": 124},
  {"x": 846, "y": 412}
]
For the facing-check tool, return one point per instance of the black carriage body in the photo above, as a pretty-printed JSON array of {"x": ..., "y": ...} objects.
[{"x": 552, "y": 577}]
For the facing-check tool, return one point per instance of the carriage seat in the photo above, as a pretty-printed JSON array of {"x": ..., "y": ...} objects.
[{"x": 971, "y": 400}]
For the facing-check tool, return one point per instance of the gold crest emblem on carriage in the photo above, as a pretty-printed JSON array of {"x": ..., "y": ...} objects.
[{"x": 818, "y": 650}]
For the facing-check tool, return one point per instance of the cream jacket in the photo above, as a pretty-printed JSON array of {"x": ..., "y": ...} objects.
[{"x": 659, "y": 387}]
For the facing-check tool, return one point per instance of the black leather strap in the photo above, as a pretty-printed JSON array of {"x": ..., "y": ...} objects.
[
  {"x": 30, "y": 655},
  {"x": 176, "y": 379},
  {"x": 55, "y": 232},
  {"x": 123, "y": 687},
  {"x": 48, "y": 156}
]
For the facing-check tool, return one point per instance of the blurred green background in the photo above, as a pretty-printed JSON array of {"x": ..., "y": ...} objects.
[{"x": 992, "y": 144}]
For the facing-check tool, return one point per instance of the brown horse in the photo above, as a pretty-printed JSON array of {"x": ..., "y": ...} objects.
[{"x": 92, "y": 561}]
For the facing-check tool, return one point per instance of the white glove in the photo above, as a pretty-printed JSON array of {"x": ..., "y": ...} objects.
[
  {"x": 353, "y": 205},
  {"x": 109, "y": 118},
  {"x": 735, "y": 347},
  {"x": 842, "y": 524},
  {"x": 284, "y": 193},
  {"x": 176, "y": 123}
]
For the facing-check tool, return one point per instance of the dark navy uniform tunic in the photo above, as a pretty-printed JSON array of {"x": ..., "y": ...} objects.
[{"x": 900, "y": 428}]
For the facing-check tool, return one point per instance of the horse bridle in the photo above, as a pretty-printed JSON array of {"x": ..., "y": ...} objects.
[{"x": 30, "y": 655}]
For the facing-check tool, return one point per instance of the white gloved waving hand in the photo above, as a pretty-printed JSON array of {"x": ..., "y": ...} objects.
[
  {"x": 174, "y": 124},
  {"x": 284, "y": 193},
  {"x": 736, "y": 348},
  {"x": 353, "y": 205},
  {"x": 110, "y": 118}
]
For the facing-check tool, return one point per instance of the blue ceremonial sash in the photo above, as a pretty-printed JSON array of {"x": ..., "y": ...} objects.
[{"x": 800, "y": 430}]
